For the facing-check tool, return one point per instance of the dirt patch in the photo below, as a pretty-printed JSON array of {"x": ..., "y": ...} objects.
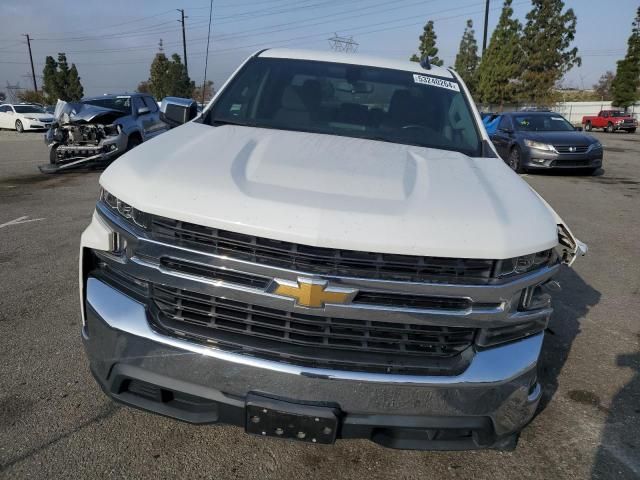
[
  {"x": 40, "y": 180},
  {"x": 586, "y": 397}
]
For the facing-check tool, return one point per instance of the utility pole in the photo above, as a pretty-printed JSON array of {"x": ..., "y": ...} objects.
[
  {"x": 33, "y": 72},
  {"x": 206, "y": 58},
  {"x": 184, "y": 40},
  {"x": 486, "y": 25}
]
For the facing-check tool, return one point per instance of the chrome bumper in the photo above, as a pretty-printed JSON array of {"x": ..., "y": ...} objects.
[
  {"x": 499, "y": 385},
  {"x": 496, "y": 392}
]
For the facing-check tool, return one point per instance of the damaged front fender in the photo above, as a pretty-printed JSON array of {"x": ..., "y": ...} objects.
[{"x": 568, "y": 245}]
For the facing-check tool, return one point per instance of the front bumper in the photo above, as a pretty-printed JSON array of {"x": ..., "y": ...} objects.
[
  {"x": 37, "y": 125},
  {"x": 63, "y": 157},
  {"x": 541, "y": 159},
  {"x": 483, "y": 407}
]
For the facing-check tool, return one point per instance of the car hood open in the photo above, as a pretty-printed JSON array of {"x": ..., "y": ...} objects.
[
  {"x": 76, "y": 112},
  {"x": 333, "y": 191}
]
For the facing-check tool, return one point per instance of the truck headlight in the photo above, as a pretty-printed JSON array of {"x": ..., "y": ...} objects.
[
  {"x": 525, "y": 263},
  {"x": 126, "y": 211},
  {"x": 539, "y": 145}
]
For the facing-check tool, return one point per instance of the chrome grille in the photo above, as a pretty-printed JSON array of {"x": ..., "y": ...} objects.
[
  {"x": 299, "y": 338},
  {"x": 571, "y": 148},
  {"x": 319, "y": 260}
]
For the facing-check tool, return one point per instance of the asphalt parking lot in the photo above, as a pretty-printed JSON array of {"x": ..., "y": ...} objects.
[{"x": 56, "y": 423}]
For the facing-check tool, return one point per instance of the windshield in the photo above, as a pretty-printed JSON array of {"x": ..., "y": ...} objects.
[
  {"x": 28, "y": 109},
  {"x": 350, "y": 100},
  {"x": 542, "y": 123},
  {"x": 122, "y": 104}
]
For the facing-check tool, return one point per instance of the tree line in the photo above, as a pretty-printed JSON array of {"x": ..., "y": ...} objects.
[
  {"x": 525, "y": 63},
  {"x": 167, "y": 77}
]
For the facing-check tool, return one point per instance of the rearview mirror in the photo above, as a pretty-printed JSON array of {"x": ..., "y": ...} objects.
[{"x": 175, "y": 111}]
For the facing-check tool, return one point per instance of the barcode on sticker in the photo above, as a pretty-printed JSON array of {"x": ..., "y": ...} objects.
[{"x": 436, "y": 82}]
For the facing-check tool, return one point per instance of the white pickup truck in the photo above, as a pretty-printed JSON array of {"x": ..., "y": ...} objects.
[{"x": 331, "y": 249}]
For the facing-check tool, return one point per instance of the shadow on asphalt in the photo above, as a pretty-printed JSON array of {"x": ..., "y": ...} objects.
[
  {"x": 621, "y": 433},
  {"x": 570, "y": 305},
  {"x": 567, "y": 172}
]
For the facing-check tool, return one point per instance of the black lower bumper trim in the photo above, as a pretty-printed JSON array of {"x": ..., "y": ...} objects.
[{"x": 200, "y": 405}]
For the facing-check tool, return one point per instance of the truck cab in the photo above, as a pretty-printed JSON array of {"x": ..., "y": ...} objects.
[
  {"x": 610, "y": 121},
  {"x": 331, "y": 249}
]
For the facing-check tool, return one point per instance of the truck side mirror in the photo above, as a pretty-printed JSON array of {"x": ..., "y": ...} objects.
[{"x": 175, "y": 111}]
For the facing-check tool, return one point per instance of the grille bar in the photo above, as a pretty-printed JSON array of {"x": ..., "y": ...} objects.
[
  {"x": 271, "y": 332},
  {"x": 571, "y": 148},
  {"x": 320, "y": 260}
]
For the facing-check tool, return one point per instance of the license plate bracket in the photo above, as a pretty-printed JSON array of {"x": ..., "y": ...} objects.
[{"x": 277, "y": 418}]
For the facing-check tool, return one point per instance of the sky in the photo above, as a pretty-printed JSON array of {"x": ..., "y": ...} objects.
[{"x": 113, "y": 42}]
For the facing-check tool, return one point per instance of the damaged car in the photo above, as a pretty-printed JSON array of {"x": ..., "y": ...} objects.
[{"x": 97, "y": 130}]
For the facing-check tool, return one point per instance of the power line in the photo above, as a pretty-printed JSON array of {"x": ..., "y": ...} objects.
[{"x": 287, "y": 40}]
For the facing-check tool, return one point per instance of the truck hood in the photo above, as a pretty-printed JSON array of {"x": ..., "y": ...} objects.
[{"x": 332, "y": 191}]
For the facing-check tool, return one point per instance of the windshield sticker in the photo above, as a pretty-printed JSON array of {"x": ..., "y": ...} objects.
[{"x": 436, "y": 82}]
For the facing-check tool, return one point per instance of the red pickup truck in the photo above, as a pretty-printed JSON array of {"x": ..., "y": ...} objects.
[{"x": 610, "y": 121}]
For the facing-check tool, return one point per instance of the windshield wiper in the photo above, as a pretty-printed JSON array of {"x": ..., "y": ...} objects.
[{"x": 230, "y": 122}]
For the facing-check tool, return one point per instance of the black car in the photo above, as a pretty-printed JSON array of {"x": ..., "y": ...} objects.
[{"x": 544, "y": 140}]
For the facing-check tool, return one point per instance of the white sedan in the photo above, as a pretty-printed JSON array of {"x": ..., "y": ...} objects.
[{"x": 23, "y": 117}]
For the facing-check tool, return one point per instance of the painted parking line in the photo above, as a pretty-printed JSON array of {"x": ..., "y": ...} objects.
[{"x": 19, "y": 220}]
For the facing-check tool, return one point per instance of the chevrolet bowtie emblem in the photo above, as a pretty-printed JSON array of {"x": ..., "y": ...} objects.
[{"x": 313, "y": 293}]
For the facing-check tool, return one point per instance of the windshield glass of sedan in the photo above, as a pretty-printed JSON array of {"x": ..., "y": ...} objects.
[
  {"x": 542, "y": 123},
  {"x": 28, "y": 109},
  {"x": 350, "y": 100},
  {"x": 122, "y": 104}
]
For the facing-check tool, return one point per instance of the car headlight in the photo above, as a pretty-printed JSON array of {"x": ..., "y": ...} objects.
[
  {"x": 539, "y": 145},
  {"x": 596, "y": 146},
  {"x": 31, "y": 118},
  {"x": 126, "y": 211},
  {"x": 525, "y": 263}
]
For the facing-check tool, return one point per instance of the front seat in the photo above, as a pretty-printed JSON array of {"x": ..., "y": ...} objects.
[{"x": 292, "y": 109}]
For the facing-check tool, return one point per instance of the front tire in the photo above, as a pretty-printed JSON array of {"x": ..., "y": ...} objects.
[
  {"x": 19, "y": 126},
  {"x": 587, "y": 127},
  {"x": 515, "y": 160},
  {"x": 609, "y": 128}
]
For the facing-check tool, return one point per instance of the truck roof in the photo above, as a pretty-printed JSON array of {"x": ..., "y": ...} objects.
[{"x": 354, "y": 59}]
